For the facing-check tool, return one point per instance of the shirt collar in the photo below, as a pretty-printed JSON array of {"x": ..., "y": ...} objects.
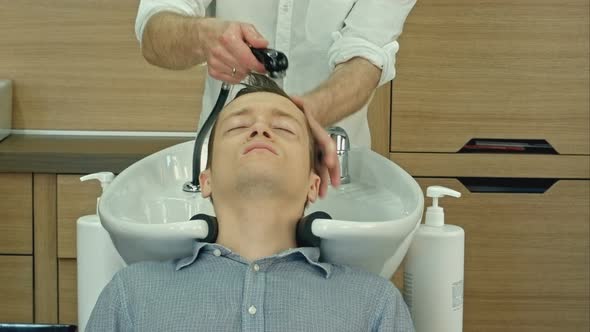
[{"x": 311, "y": 255}]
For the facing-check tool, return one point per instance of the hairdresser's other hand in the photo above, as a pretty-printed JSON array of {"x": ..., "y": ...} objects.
[
  {"x": 329, "y": 167},
  {"x": 229, "y": 57}
]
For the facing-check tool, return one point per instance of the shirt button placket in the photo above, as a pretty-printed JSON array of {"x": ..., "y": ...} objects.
[
  {"x": 254, "y": 289},
  {"x": 252, "y": 309}
]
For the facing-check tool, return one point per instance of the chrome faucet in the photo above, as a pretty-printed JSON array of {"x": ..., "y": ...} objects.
[{"x": 340, "y": 137}]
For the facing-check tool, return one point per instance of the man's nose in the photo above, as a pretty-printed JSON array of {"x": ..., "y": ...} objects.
[{"x": 260, "y": 129}]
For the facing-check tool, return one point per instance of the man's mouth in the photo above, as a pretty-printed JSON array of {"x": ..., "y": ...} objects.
[{"x": 259, "y": 146}]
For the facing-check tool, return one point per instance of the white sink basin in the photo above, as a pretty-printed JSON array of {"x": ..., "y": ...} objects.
[{"x": 374, "y": 217}]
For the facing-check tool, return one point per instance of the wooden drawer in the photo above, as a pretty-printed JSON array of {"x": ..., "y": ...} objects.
[
  {"x": 16, "y": 289},
  {"x": 499, "y": 69},
  {"x": 526, "y": 256},
  {"x": 493, "y": 165},
  {"x": 16, "y": 213},
  {"x": 68, "y": 292},
  {"x": 74, "y": 199}
]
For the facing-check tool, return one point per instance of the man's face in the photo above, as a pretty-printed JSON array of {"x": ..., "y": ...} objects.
[{"x": 261, "y": 146}]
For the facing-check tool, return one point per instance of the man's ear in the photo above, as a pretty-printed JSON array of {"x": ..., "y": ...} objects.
[
  {"x": 205, "y": 182},
  {"x": 314, "y": 187}
]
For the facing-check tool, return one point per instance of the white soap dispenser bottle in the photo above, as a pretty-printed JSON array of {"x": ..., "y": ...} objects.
[
  {"x": 97, "y": 258},
  {"x": 433, "y": 270}
]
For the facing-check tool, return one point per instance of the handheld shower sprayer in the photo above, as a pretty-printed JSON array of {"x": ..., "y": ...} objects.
[
  {"x": 276, "y": 65},
  {"x": 274, "y": 62}
]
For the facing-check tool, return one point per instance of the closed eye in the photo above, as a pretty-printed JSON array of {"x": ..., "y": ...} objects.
[
  {"x": 237, "y": 128},
  {"x": 284, "y": 129}
]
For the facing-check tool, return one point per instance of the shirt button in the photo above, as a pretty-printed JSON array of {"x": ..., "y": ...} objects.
[
  {"x": 217, "y": 252},
  {"x": 256, "y": 267},
  {"x": 252, "y": 310}
]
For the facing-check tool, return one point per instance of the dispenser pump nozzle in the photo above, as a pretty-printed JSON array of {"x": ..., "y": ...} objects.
[
  {"x": 105, "y": 179},
  {"x": 435, "y": 215}
]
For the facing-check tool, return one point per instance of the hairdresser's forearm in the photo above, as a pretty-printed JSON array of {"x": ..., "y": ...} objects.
[
  {"x": 174, "y": 41},
  {"x": 347, "y": 90}
]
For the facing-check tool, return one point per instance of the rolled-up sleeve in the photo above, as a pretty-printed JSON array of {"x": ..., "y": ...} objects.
[
  {"x": 148, "y": 8},
  {"x": 370, "y": 31}
]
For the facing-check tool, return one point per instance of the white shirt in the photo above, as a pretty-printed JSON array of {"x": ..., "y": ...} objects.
[{"x": 315, "y": 35}]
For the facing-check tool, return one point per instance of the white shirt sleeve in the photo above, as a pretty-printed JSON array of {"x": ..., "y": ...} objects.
[
  {"x": 148, "y": 8},
  {"x": 370, "y": 31}
]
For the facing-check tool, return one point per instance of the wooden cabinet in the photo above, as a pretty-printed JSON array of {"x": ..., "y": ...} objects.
[
  {"x": 527, "y": 240},
  {"x": 16, "y": 289},
  {"x": 16, "y": 213},
  {"x": 527, "y": 246},
  {"x": 513, "y": 70},
  {"x": 502, "y": 69},
  {"x": 526, "y": 256}
]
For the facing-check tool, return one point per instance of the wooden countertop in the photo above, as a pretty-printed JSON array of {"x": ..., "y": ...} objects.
[{"x": 77, "y": 154}]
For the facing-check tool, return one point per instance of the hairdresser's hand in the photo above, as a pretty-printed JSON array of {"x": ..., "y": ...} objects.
[
  {"x": 229, "y": 57},
  {"x": 329, "y": 166}
]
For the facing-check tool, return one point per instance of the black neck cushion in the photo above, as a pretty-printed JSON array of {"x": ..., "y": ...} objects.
[{"x": 303, "y": 236}]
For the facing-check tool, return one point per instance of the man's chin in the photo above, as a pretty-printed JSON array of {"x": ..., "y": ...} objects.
[
  {"x": 266, "y": 171},
  {"x": 259, "y": 183}
]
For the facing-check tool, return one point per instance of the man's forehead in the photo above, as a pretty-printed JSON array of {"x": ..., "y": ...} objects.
[{"x": 262, "y": 102}]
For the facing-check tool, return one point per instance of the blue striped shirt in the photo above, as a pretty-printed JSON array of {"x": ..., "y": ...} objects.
[{"x": 218, "y": 290}]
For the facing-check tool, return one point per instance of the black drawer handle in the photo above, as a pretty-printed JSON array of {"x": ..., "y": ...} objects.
[
  {"x": 497, "y": 145},
  {"x": 507, "y": 185}
]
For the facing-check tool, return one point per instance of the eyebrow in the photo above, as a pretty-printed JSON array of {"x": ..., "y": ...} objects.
[{"x": 275, "y": 111}]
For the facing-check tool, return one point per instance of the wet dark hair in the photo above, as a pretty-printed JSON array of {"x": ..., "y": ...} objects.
[{"x": 261, "y": 83}]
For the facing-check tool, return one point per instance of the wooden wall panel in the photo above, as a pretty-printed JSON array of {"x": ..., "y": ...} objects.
[
  {"x": 513, "y": 69},
  {"x": 77, "y": 65},
  {"x": 16, "y": 217},
  {"x": 16, "y": 289}
]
